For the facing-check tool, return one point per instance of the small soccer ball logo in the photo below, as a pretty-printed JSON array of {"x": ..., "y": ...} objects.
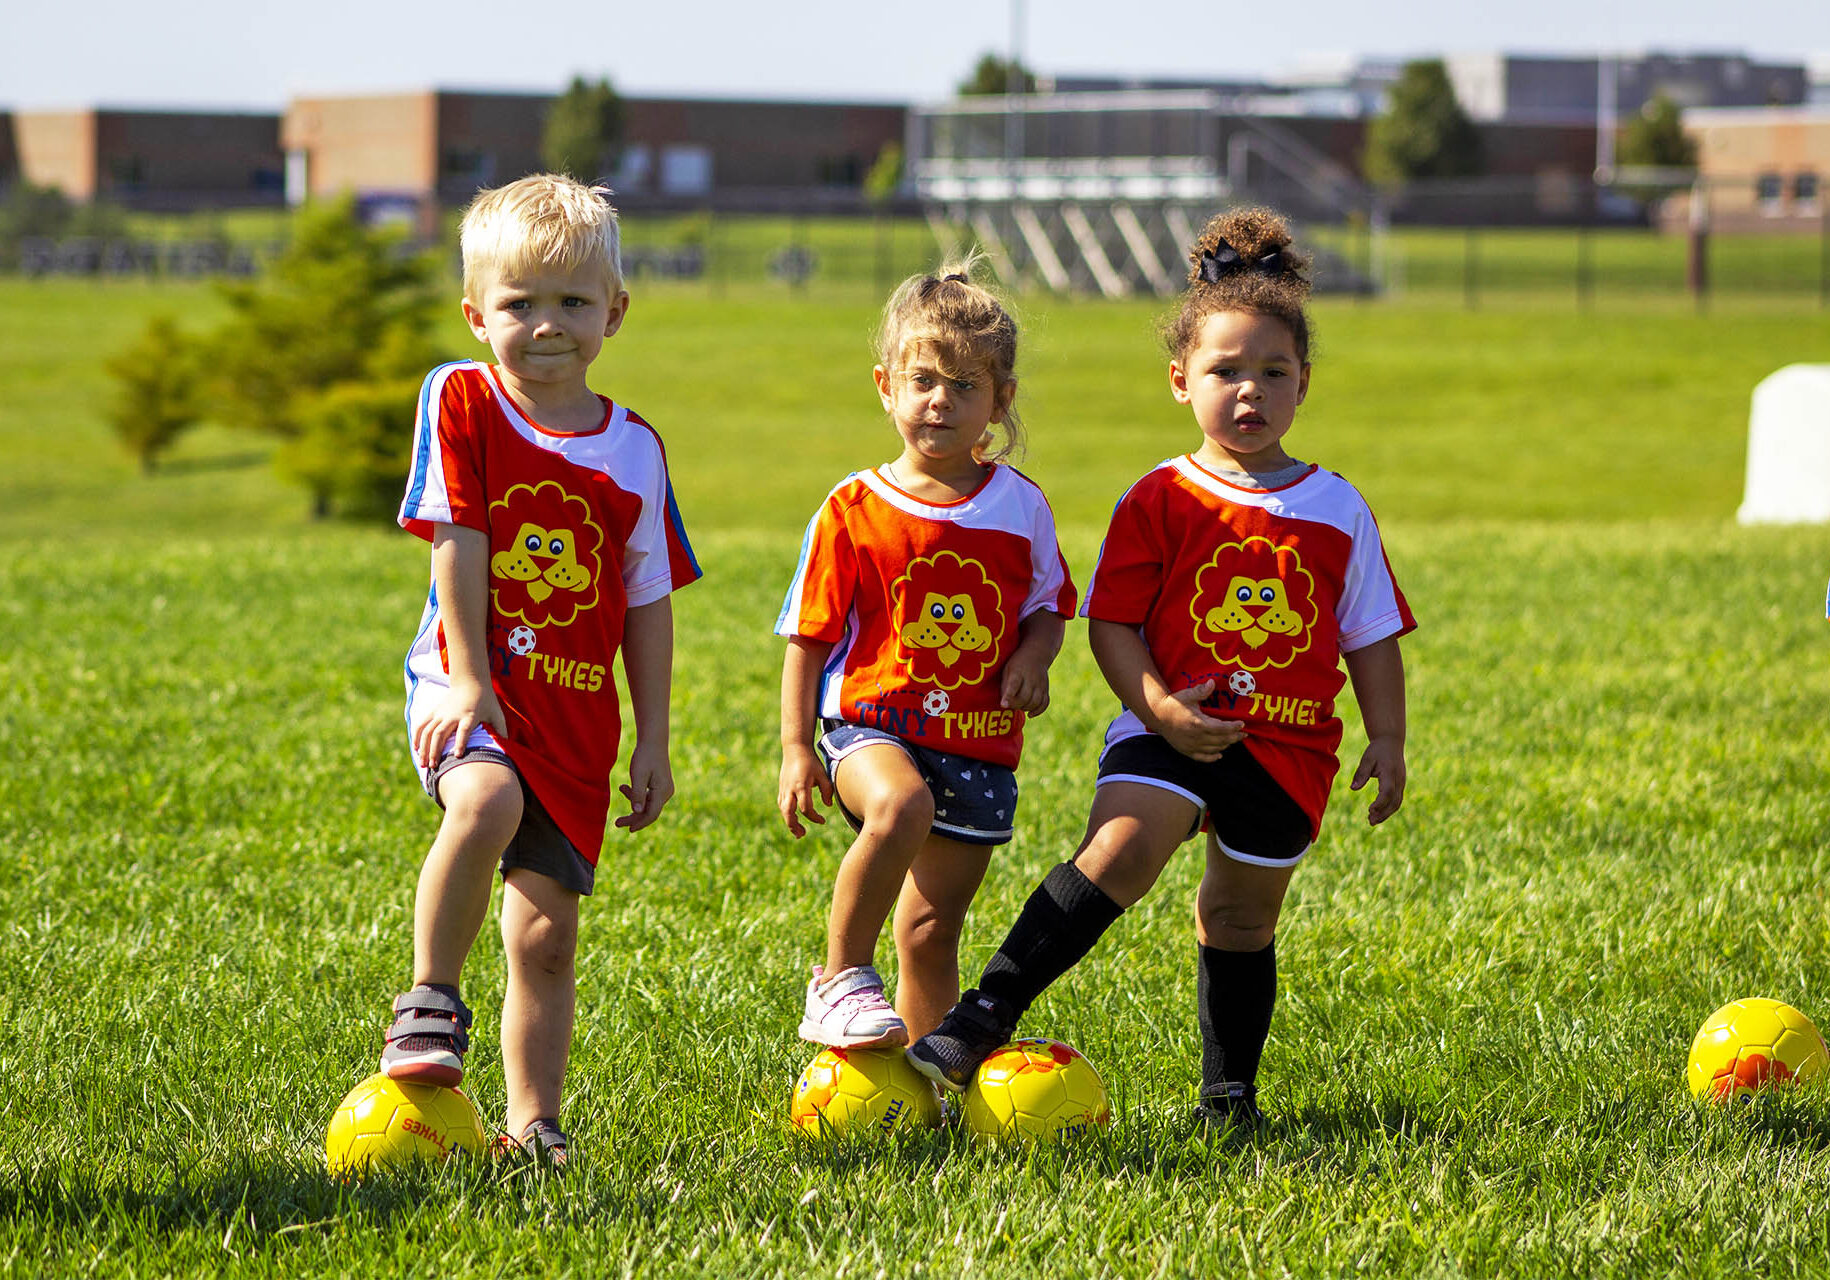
[
  {"x": 935, "y": 702},
  {"x": 1750, "y": 1045},
  {"x": 849, "y": 1091},
  {"x": 386, "y": 1122},
  {"x": 521, "y": 641},
  {"x": 1242, "y": 683},
  {"x": 1036, "y": 1090}
]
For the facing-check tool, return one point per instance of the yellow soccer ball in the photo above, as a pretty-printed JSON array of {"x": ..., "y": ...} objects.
[
  {"x": 1750, "y": 1044},
  {"x": 384, "y": 1122},
  {"x": 1036, "y": 1090},
  {"x": 846, "y": 1091}
]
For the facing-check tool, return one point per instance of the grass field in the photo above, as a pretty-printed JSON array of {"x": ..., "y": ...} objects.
[{"x": 1617, "y": 821}]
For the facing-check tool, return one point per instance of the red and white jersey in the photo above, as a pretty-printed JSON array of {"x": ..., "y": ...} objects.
[
  {"x": 582, "y": 527},
  {"x": 922, "y": 601},
  {"x": 1260, "y": 591}
]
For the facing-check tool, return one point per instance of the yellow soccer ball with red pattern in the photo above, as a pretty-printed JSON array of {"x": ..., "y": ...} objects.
[
  {"x": 1751, "y": 1044},
  {"x": 846, "y": 1091},
  {"x": 385, "y": 1122},
  {"x": 1036, "y": 1090}
]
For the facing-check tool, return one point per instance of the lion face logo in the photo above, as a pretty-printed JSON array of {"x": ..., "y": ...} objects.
[
  {"x": 948, "y": 617},
  {"x": 547, "y": 574},
  {"x": 1263, "y": 614}
]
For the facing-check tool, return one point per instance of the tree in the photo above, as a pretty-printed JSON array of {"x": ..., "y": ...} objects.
[
  {"x": 583, "y": 129},
  {"x": 1423, "y": 132},
  {"x": 885, "y": 174},
  {"x": 1655, "y": 138},
  {"x": 993, "y": 75},
  {"x": 339, "y": 322},
  {"x": 156, "y": 395}
]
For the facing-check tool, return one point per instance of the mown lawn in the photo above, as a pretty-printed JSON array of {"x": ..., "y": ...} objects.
[{"x": 1616, "y": 822}]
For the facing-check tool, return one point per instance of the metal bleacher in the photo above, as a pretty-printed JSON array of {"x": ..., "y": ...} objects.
[{"x": 1102, "y": 192}]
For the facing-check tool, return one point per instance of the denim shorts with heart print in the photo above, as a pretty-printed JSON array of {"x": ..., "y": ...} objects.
[{"x": 974, "y": 802}]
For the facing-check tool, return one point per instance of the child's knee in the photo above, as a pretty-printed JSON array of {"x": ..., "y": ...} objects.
[
  {"x": 900, "y": 814},
  {"x": 484, "y": 799},
  {"x": 543, "y": 944},
  {"x": 1233, "y": 925}
]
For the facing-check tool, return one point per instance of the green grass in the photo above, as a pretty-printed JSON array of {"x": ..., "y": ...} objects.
[{"x": 1615, "y": 823}]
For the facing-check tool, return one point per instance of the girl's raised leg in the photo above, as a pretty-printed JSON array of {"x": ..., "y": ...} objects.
[{"x": 929, "y": 915}]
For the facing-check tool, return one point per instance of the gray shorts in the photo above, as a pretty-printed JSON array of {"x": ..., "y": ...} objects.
[
  {"x": 974, "y": 802},
  {"x": 538, "y": 844}
]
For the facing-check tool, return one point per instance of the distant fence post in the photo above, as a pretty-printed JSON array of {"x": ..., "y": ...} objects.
[
  {"x": 1823, "y": 260},
  {"x": 1470, "y": 270},
  {"x": 1585, "y": 270},
  {"x": 1696, "y": 266}
]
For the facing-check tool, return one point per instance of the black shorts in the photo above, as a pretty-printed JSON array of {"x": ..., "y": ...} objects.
[
  {"x": 538, "y": 844},
  {"x": 1253, "y": 819}
]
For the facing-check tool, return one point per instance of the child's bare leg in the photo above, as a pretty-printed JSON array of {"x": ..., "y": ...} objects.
[
  {"x": 1132, "y": 832},
  {"x": 540, "y": 939},
  {"x": 1237, "y": 905},
  {"x": 482, "y": 810},
  {"x": 929, "y": 914},
  {"x": 879, "y": 783}
]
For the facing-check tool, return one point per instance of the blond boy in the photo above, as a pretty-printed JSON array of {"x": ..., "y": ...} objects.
[{"x": 555, "y": 542}]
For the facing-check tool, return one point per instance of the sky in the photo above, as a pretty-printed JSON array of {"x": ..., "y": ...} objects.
[{"x": 255, "y": 55}]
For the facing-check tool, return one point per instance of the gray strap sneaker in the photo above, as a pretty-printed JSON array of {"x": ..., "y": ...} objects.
[{"x": 428, "y": 1039}]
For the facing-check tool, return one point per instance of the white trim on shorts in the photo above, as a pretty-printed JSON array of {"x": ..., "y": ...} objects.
[{"x": 1200, "y": 814}]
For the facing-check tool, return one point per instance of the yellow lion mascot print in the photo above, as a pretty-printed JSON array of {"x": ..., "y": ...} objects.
[
  {"x": 1254, "y": 604},
  {"x": 949, "y": 614},
  {"x": 548, "y": 574}
]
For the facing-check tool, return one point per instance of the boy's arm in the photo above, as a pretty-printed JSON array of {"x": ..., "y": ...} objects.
[
  {"x": 802, "y": 774},
  {"x": 648, "y": 662},
  {"x": 460, "y": 573},
  {"x": 1025, "y": 682},
  {"x": 1126, "y": 663},
  {"x": 1378, "y": 686}
]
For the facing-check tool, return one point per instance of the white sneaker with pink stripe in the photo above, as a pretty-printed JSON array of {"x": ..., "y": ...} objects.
[{"x": 848, "y": 1010}]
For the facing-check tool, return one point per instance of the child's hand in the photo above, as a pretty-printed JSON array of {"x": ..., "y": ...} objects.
[
  {"x": 650, "y": 787},
  {"x": 463, "y": 707},
  {"x": 1024, "y": 686},
  {"x": 1192, "y": 731},
  {"x": 1384, "y": 760},
  {"x": 802, "y": 776}
]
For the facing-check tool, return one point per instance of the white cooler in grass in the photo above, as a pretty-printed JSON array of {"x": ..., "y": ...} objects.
[{"x": 1788, "y": 448}]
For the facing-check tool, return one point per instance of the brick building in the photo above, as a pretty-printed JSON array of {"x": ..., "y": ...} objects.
[
  {"x": 1763, "y": 167},
  {"x": 151, "y": 159},
  {"x": 435, "y": 148}
]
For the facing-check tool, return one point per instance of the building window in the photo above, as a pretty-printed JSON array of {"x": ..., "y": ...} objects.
[
  {"x": 1769, "y": 193},
  {"x": 1804, "y": 193},
  {"x": 471, "y": 163},
  {"x": 686, "y": 170}
]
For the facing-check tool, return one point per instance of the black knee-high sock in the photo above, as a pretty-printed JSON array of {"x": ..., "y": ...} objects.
[
  {"x": 1059, "y": 924},
  {"x": 1236, "y": 991}
]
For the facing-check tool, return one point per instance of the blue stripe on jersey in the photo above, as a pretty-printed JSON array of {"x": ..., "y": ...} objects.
[
  {"x": 429, "y": 620},
  {"x": 423, "y": 434},
  {"x": 673, "y": 521},
  {"x": 800, "y": 567}
]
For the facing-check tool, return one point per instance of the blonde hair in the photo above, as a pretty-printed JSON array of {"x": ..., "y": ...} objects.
[
  {"x": 544, "y": 221},
  {"x": 1242, "y": 261},
  {"x": 964, "y": 326}
]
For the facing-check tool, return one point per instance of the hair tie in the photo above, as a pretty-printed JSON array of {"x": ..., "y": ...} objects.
[
  {"x": 1223, "y": 260},
  {"x": 957, "y": 275}
]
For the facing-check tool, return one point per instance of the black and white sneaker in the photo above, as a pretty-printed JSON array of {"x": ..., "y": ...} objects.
[
  {"x": 1230, "y": 1107},
  {"x": 973, "y": 1029}
]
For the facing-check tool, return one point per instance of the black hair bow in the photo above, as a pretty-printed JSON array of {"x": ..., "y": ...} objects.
[{"x": 1224, "y": 260}]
